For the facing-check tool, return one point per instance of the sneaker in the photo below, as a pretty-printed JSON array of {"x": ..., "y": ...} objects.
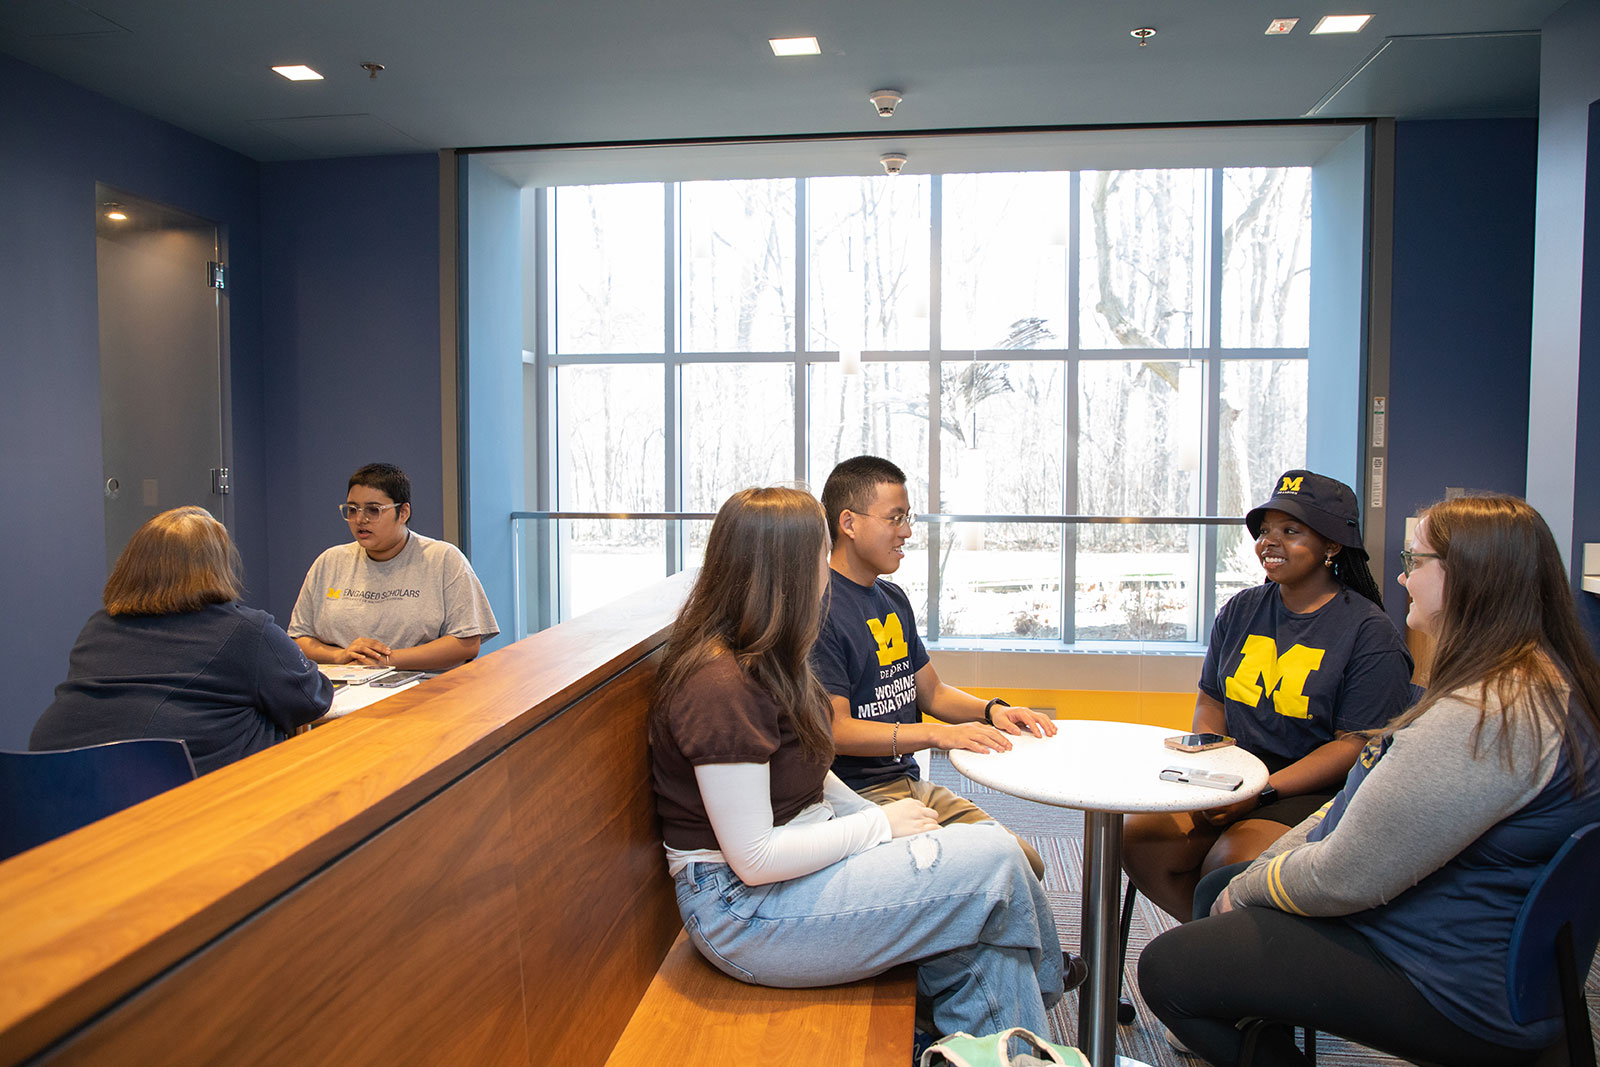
[
  {"x": 1073, "y": 971},
  {"x": 1172, "y": 1039}
]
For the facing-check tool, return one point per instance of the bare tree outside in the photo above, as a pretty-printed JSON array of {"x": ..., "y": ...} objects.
[{"x": 1145, "y": 357}]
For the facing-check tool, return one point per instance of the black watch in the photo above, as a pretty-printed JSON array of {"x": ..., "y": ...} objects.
[
  {"x": 989, "y": 707},
  {"x": 1268, "y": 795}
]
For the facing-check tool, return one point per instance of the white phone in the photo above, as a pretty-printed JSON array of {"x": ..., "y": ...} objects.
[{"x": 1210, "y": 779}]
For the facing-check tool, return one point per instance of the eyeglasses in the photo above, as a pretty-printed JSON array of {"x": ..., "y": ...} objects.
[
  {"x": 1409, "y": 559},
  {"x": 370, "y": 512},
  {"x": 907, "y": 519}
]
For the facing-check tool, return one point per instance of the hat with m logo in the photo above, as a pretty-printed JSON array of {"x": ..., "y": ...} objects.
[{"x": 1326, "y": 505}]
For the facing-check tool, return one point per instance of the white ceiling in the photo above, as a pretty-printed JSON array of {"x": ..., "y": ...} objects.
[{"x": 477, "y": 73}]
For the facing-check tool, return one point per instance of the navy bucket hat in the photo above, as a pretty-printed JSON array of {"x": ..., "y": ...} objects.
[{"x": 1326, "y": 505}]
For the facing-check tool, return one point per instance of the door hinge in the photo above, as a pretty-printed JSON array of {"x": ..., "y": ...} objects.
[
  {"x": 217, "y": 274},
  {"x": 220, "y": 484}
]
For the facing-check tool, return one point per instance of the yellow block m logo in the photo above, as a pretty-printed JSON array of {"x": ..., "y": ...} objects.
[
  {"x": 1262, "y": 671},
  {"x": 1291, "y": 485},
  {"x": 890, "y": 638}
]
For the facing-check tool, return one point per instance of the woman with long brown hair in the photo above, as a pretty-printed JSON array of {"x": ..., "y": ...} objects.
[
  {"x": 785, "y": 876},
  {"x": 1386, "y": 917},
  {"x": 175, "y": 654}
]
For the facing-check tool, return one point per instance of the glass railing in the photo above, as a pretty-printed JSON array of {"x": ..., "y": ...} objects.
[{"x": 1147, "y": 583}]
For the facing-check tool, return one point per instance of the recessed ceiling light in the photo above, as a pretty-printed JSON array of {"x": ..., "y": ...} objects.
[
  {"x": 794, "y": 46},
  {"x": 1341, "y": 24},
  {"x": 114, "y": 211},
  {"x": 298, "y": 72},
  {"x": 1280, "y": 26}
]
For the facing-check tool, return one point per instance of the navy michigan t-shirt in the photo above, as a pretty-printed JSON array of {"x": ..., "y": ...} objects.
[
  {"x": 1290, "y": 683},
  {"x": 869, "y": 652}
]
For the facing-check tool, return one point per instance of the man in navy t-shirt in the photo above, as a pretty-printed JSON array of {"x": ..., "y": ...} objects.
[{"x": 871, "y": 660}]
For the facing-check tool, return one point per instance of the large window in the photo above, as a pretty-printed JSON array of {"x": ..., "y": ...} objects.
[{"x": 1082, "y": 373}]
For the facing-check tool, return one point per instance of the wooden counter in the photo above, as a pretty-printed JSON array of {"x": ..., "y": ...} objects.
[{"x": 442, "y": 877}]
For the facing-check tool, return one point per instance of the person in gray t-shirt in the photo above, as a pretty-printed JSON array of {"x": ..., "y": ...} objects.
[{"x": 391, "y": 598}]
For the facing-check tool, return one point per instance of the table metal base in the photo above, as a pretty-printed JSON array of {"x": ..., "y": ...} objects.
[{"x": 1101, "y": 938}]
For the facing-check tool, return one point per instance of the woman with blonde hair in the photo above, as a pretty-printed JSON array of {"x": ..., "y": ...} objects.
[
  {"x": 174, "y": 654},
  {"x": 1386, "y": 917},
  {"x": 785, "y": 876}
]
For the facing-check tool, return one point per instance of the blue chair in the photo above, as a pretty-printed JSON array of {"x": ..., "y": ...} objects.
[
  {"x": 1552, "y": 944},
  {"x": 1556, "y": 934},
  {"x": 46, "y": 794}
]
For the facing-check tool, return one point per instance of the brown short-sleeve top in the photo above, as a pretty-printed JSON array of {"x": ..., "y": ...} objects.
[{"x": 721, "y": 716}]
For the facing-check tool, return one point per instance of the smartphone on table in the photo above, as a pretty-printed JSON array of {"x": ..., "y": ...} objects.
[
  {"x": 1198, "y": 742},
  {"x": 395, "y": 679}
]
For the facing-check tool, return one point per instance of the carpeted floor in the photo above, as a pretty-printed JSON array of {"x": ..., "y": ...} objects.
[{"x": 1058, "y": 835}]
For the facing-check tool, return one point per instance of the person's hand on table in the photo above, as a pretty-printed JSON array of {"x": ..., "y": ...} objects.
[
  {"x": 1016, "y": 720},
  {"x": 368, "y": 652},
  {"x": 910, "y": 816},
  {"x": 1227, "y": 816},
  {"x": 971, "y": 736},
  {"x": 1223, "y": 904}
]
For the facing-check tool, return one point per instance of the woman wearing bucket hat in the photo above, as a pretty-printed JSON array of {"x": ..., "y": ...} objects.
[{"x": 1296, "y": 669}]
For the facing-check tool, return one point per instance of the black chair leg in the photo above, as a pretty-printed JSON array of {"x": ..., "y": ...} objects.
[
  {"x": 1125, "y": 1010},
  {"x": 1580, "y": 1039}
]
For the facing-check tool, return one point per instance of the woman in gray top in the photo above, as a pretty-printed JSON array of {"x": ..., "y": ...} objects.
[{"x": 1386, "y": 917}]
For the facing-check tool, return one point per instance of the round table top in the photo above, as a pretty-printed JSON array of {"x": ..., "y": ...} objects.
[{"x": 1109, "y": 766}]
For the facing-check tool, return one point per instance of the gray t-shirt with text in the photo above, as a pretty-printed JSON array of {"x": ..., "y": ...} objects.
[{"x": 425, "y": 592}]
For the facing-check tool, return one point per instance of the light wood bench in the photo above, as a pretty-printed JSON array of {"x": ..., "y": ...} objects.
[
  {"x": 693, "y": 1013},
  {"x": 468, "y": 872}
]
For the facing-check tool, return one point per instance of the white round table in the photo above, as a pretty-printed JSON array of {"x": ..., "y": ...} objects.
[{"x": 1106, "y": 769}]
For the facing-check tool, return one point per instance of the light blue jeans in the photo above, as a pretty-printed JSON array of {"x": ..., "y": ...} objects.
[{"x": 960, "y": 900}]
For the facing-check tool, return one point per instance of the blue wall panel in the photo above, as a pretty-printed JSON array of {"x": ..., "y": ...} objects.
[
  {"x": 1463, "y": 306},
  {"x": 351, "y": 336},
  {"x": 492, "y": 351},
  {"x": 56, "y": 142},
  {"x": 1586, "y": 486}
]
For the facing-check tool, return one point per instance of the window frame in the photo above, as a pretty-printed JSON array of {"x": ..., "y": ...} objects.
[{"x": 1208, "y": 354}]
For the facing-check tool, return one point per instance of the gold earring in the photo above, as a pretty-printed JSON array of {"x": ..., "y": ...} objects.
[{"x": 1328, "y": 562}]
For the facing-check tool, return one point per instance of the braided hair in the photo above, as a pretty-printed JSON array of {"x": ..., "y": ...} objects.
[{"x": 1351, "y": 571}]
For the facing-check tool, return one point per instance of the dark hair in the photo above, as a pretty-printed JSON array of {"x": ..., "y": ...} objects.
[
  {"x": 179, "y": 561},
  {"x": 758, "y": 598},
  {"x": 386, "y": 478},
  {"x": 1507, "y": 623},
  {"x": 853, "y": 484},
  {"x": 1352, "y": 572}
]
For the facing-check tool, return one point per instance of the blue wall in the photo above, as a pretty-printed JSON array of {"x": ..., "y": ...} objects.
[
  {"x": 1463, "y": 307},
  {"x": 56, "y": 142},
  {"x": 491, "y": 235},
  {"x": 339, "y": 259},
  {"x": 351, "y": 336},
  {"x": 1586, "y": 487}
]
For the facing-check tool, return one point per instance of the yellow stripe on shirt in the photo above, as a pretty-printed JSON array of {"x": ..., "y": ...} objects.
[{"x": 1280, "y": 896}]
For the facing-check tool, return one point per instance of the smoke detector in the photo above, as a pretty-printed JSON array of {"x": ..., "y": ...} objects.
[
  {"x": 893, "y": 162},
  {"x": 886, "y": 100}
]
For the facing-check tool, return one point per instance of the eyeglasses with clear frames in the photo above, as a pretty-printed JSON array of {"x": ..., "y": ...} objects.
[
  {"x": 907, "y": 519},
  {"x": 1409, "y": 560},
  {"x": 370, "y": 512}
]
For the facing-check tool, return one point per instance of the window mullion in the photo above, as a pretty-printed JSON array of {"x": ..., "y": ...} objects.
[
  {"x": 935, "y": 501},
  {"x": 1211, "y": 420},
  {"x": 1069, "y": 460},
  {"x": 672, "y": 409},
  {"x": 802, "y": 337}
]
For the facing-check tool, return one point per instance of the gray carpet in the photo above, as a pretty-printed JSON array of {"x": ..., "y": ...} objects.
[{"x": 1058, "y": 835}]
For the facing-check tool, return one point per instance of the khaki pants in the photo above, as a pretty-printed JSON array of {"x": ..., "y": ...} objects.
[{"x": 948, "y": 806}]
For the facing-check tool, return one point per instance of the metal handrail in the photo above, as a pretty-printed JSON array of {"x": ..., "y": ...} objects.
[{"x": 1125, "y": 520}]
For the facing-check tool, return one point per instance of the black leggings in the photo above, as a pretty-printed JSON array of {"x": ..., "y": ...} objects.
[{"x": 1202, "y": 978}]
